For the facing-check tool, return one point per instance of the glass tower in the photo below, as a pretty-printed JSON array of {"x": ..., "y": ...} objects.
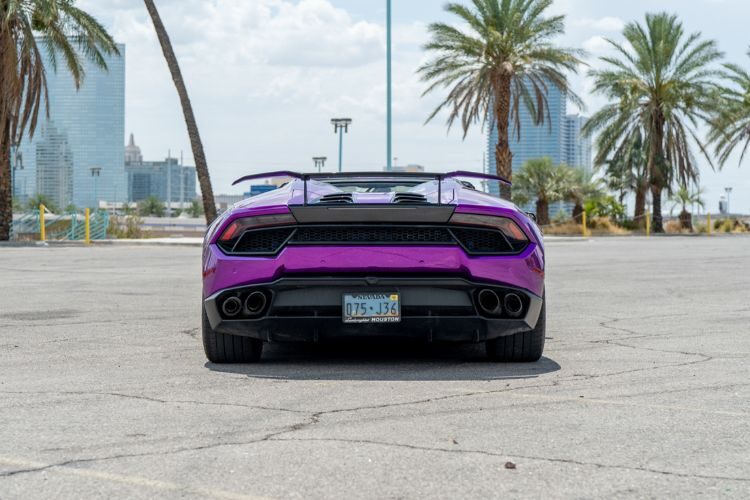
[
  {"x": 536, "y": 141},
  {"x": 84, "y": 131},
  {"x": 577, "y": 146}
]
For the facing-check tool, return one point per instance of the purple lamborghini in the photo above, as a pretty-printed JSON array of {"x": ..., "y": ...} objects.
[{"x": 373, "y": 254}]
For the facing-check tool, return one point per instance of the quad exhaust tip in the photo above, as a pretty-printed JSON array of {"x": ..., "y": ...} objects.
[
  {"x": 489, "y": 302},
  {"x": 256, "y": 303},
  {"x": 231, "y": 307},
  {"x": 513, "y": 305}
]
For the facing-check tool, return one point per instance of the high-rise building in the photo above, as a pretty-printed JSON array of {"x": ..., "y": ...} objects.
[
  {"x": 157, "y": 178},
  {"x": 577, "y": 146},
  {"x": 536, "y": 141},
  {"x": 559, "y": 139},
  {"x": 83, "y": 136}
]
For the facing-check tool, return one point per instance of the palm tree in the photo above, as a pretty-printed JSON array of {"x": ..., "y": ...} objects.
[
  {"x": 662, "y": 82},
  {"x": 151, "y": 206},
  {"x": 505, "y": 59},
  {"x": 201, "y": 167},
  {"x": 627, "y": 171},
  {"x": 581, "y": 186},
  {"x": 541, "y": 180},
  {"x": 731, "y": 126},
  {"x": 69, "y": 34},
  {"x": 41, "y": 199},
  {"x": 683, "y": 197}
]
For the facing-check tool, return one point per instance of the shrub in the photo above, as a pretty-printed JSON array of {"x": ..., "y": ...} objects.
[{"x": 126, "y": 228}]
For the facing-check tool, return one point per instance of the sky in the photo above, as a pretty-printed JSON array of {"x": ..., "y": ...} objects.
[{"x": 266, "y": 76}]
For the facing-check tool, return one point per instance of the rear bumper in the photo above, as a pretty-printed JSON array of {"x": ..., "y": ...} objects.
[{"x": 433, "y": 309}]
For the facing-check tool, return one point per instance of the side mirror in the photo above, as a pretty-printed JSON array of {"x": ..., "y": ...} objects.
[{"x": 532, "y": 216}]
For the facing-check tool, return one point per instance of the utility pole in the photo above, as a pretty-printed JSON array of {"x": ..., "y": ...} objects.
[
  {"x": 729, "y": 194},
  {"x": 169, "y": 184},
  {"x": 95, "y": 173},
  {"x": 389, "y": 71},
  {"x": 341, "y": 126},
  {"x": 320, "y": 162}
]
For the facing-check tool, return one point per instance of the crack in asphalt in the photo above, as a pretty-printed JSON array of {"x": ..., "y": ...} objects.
[
  {"x": 157, "y": 400},
  {"x": 314, "y": 418},
  {"x": 515, "y": 456}
]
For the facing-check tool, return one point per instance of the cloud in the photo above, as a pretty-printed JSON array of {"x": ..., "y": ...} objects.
[
  {"x": 607, "y": 23},
  {"x": 596, "y": 45}
]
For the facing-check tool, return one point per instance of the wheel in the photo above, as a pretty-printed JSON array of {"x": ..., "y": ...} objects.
[
  {"x": 521, "y": 347},
  {"x": 226, "y": 349}
]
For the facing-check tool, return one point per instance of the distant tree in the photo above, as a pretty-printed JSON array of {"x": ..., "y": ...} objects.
[
  {"x": 580, "y": 187},
  {"x": 201, "y": 166},
  {"x": 70, "y": 35},
  {"x": 544, "y": 182},
  {"x": 40, "y": 199},
  {"x": 627, "y": 172},
  {"x": 151, "y": 206},
  {"x": 684, "y": 198},
  {"x": 731, "y": 124},
  {"x": 195, "y": 210},
  {"x": 504, "y": 60},
  {"x": 71, "y": 209},
  {"x": 662, "y": 82}
]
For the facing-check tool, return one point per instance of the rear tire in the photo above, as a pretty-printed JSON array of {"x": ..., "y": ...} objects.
[
  {"x": 229, "y": 349},
  {"x": 521, "y": 347}
]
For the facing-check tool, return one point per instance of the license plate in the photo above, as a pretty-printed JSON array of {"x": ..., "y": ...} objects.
[{"x": 372, "y": 308}]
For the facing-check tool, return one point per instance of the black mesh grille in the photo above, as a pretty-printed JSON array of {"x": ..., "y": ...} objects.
[
  {"x": 263, "y": 241},
  {"x": 409, "y": 198},
  {"x": 337, "y": 199},
  {"x": 271, "y": 241},
  {"x": 372, "y": 235},
  {"x": 483, "y": 241}
]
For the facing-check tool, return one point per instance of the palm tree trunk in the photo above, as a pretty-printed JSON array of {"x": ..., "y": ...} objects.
[
  {"x": 658, "y": 221},
  {"x": 503, "y": 155},
  {"x": 640, "y": 205},
  {"x": 686, "y": 220},
  {"x": 657, "y": 164},
  {"x": 542, "y": 212},
  {"x": 201, "y": 167},
  {"x": 578, "y": 212},
  {"x": 6, "y": 194}
]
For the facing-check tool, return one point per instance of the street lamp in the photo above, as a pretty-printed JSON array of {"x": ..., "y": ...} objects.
[
  {"x": 729, "y": 193},
  {"x": 95, "y": 173},
  {"x": 341, "y": 126},
  {"x": 320, "y": 162},
  {"x": 389, "y": 72}
]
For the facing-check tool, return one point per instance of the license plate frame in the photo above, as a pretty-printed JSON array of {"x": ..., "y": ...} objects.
[{"x": 371, "y": 307}]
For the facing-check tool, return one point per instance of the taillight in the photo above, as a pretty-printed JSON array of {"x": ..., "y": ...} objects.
[
  {"x": 515, "y": 235},
  {"x": 234, "y": 230}
]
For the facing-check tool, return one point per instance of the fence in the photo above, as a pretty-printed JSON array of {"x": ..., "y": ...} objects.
[{"x": 45, "y": 226}]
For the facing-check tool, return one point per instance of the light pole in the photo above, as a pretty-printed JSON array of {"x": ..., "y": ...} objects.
[
  {"x": 341, "y": 126},
  {"x": 729, "y": 193},
  {"x": 389, "y": 71},
  {"x": 320, "y": 162},
  {"x": 95, "y": 173}
]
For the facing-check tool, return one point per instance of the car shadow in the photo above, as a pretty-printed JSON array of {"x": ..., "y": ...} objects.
[{"x": 383, "y": 360}]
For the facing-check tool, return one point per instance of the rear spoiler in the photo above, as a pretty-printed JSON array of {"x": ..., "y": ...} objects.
[{"x": 374, "y": 175}]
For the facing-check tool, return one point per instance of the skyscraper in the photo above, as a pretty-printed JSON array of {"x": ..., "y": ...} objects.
[
  {"x": 167, "y": 180},
  {"x": 84, "y": 131},
  {"x": 536, "y": 141},
  {"x": 559, "y": 139},
  {"x": 577, "y": 146}
]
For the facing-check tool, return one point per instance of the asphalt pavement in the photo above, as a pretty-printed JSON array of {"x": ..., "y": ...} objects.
[{"x": 644, "y": 390}]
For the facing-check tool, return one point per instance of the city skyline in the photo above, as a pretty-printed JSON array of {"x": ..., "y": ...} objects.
[
  {"x": 265, "y": 77},
  {"x": 76, "y": 155}
]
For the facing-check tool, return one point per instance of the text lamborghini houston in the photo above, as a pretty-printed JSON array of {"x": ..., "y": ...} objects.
[{"x": 373, "y": 254}]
